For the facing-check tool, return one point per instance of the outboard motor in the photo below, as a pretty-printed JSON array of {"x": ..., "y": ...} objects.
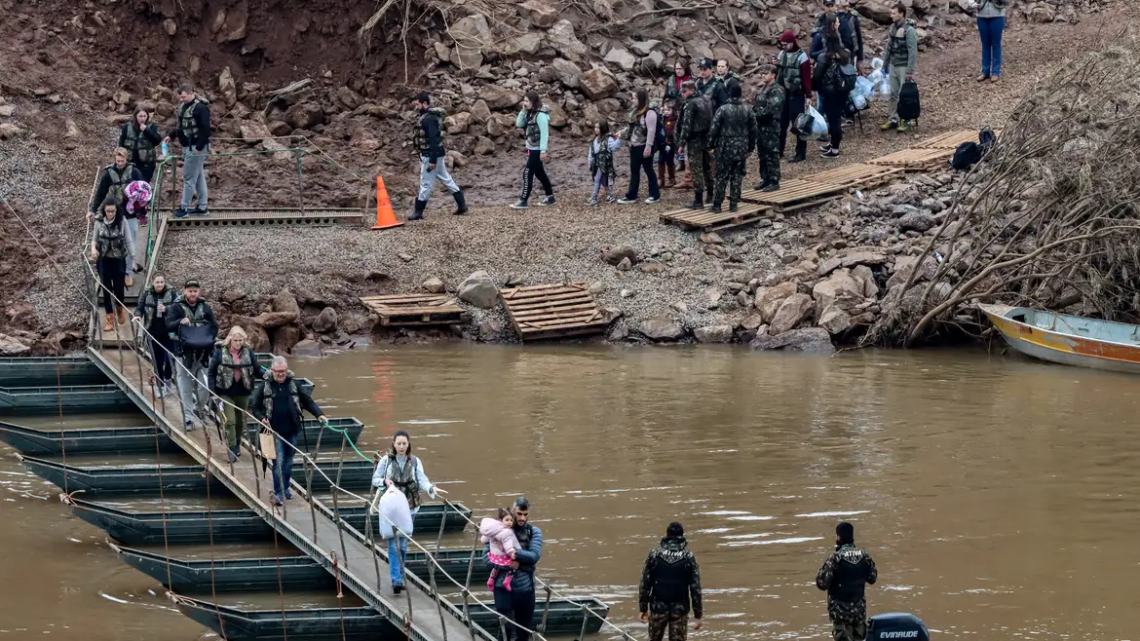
[{"x": 897, "y": 625}]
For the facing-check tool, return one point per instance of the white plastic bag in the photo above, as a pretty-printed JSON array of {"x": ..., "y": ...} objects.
[
  {"x": 818, "y": 127},
  {"x": 877, "y": 64},
  {"x": 393, "y": 510},
  {"x": 860, "y": 102},
  {"x": 885, "y": 89},
  {"x": 863, "y": 87}
]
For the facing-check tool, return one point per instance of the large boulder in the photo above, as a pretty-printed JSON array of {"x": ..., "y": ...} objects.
[
  {"x": 614, "y": 255},
  {"x": 876, "y": 10},
  {"x": 558, "y": 116},
  {"x": 769, "y": 299},
  {"x": 285, "y": 301},
  {"x": 920, "y": 221},
  {"x": 792, "y": 312},
  {"x": 12, "y": 346},
  {"x": 811, "y": 340},
  {"x": 479, "y": 290},
  {"x": 567, "y": 72},
  {"x": 307, "y": 348},
  {"x": 272, "y": 320},
  {"x": 839, "y": 288},
  {"x": 713, "y": 334},
  {"x": 662, "y": 328},
  {"x": 305, "y": 115},
  {"x": 835, "y": 320},
  {"x": 325, "y": 321},
  {"x": 284, "y": 338},
  {"x": 561, "y": 38},
  {"x": 472, "y": 36},
  {"x": 499, "y": 98},
  {"x": 598, "y": 84},
  {"x": 621, "y": 57},
  {"x": 540, "y": 14}
]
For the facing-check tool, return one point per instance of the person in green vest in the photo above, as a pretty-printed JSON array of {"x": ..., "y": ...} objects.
[
  {"x": 900, "y": 61},
  {"x": 234, "y": 371},
  {"x": 401, "y": 469},
  {"x": 140, "y": 137},
  {"x": 278, "y": 402},
  {"x": 112, "y": 185},
  {"x": 192, "y": 128}
]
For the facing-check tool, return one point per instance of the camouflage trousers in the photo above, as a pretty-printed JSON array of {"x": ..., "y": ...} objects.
[
  {"x": 729, "y": 176},
  {"x": 678, "y": 625},
  {"x": 849, "y": 630},
  {"x": 697, "y": 152},
  {"x": 768, "y": 149}
]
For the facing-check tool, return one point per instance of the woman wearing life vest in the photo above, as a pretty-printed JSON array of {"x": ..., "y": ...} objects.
[
  {"x": 400, "y": 469},
  {"x": 113, "y": 185},
  {"x": 642, "y": 134},
  {"x": 233, "y": 372},
  {"x": 140, "y": 137},
  {"x": 110, "y": 246}
]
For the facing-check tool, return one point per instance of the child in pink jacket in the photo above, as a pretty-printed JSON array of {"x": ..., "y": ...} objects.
[{"x": 504, "y": 544}]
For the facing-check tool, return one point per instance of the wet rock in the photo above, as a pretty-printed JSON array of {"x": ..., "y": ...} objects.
[
  {"x": 305, "y": 115},
  {"x": 713, "y": 334},
  {"x": 618, "y": 332},
  {"x": 793, "y": 311},
  {"x": 768, "y": 300},
  {"x": 835, "y": 320},
  {"x": 490, "y": 328},
  {"x": 499, "y": 98},
  {"x": 479, "y": 290},
  {"x": 325, "y": 321},
  {"x": 614, "y": 255},
  {"x": 662, "y": 328},
  {"x": 307, "y": 349},
  {"x": 811, "y": 340},
  {"x": 540, "y": 14},
  {"x": 752, "y": 321},
  {"x": 567, "y": 73},
  {"x": 598, "y": 84},
  {"x": 272, "y": 320},
  {"x": 12, "y": 346},
  {"x": 284, "y": 338}
]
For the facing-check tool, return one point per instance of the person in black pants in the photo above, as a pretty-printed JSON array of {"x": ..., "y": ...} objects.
[
  {"x": 110, "y": 246},
  {"x": 151, "y": 314},
  {"x": 534, "y": 120},
  {"x": 828, "y": 77},
  {"x": 642, "y": 140},
  {"x": 517, "y": 601}
]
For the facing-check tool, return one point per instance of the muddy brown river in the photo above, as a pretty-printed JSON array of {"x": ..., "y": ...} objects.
[{"x": 998, "y": 496}]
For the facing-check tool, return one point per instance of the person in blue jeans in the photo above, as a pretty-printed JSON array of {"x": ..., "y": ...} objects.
[
  {"x": 991, "y": 24},
  {"x": 193, "y": 130},
  {"x": 399, "y": 468},
  {"x": 277, "y": 402}
]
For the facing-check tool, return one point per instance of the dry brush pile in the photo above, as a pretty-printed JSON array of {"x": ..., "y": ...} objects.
[{"x": 1050, "y": 219}]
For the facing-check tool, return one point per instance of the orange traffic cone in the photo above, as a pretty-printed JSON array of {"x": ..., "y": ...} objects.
[{"x": 385, "y": 217}]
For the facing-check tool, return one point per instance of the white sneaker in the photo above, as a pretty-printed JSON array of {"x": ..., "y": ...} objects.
[{"x": 651, "y": 200}]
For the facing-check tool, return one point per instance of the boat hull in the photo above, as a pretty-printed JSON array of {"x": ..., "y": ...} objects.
[
  {"x": 323, "y": 624},
  {"x": 1062, "y": 348},
  {"x": 73, "y": 399},
  {"x": 50, "y": 371}
]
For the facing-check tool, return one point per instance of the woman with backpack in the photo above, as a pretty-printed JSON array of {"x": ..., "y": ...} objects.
[
  {"x": 991, "y": 25},
  {"x": 830, "y": 76},
  {"x": 644, "y": 133}
]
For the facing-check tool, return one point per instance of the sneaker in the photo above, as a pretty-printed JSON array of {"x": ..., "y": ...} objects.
[
  {"x": 797, "y": 159},
  {"x": 276, "y": 499},
  {"x": 890, "y": 124},
  {"x": 825, "y": 148},
  {"x": 521, "y": 204},
  {"x": 288, "y": 495},
  {"x": 199, "y": 211},
  {"x": 626, "y": 201},
  {"x": 397, "y": 588},
  {"x": 830, "y": 153},
  {"x": 181, "y": 213},
  {"x": 231, "y": 456},
  {"x": 651, "y": 200},
  {"x": 732, "y": 208},
  {"x": 593, "y": 202},
  {"x": 546, "y": 202},
  {"x": 904, "y": 127},
  {"x": 189, "y": 426},
  {"x": 611, "y": 200}
]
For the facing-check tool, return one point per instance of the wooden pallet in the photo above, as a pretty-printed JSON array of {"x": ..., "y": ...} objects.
[
  {"x": 705, "y": 220},
  {"x": 856, "y": 175},
  {"x": 541, "y": 312},
  {"x": 915, "y": 159},
  {"x": 950, "y": 140},
  {"x": 416, "y": 310},
  {"x": 795, "y": 194}
]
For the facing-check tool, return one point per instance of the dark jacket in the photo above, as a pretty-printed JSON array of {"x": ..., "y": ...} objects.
[
  {"x": 147, "y": 309},
  {"x": 714, "y": 89},
  {"x": 826, "y": 73},
  {"x": 528, "y": 556},
  {"x": 249, "y": 376},
  {"x": 850, "y": 34},
  {"x": 181, "y": 308},
  {"x": 115, "y": 181},
  {"x": 845, "y": 574},
  {"x": 288, "y": 392},
  {"x": 140, "y": 144},
  {"x": 201, "y": 115},
  {"x": 671, "y": 580},
  {"x": 431, "y": 129}
]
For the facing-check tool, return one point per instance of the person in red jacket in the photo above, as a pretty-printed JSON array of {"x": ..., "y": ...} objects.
[{"x": 793, "y": 73}]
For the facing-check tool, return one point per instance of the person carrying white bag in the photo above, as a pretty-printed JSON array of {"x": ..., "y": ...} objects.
[{"x": 399, "y": 470}]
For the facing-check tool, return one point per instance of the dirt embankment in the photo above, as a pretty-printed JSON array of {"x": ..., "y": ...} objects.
[{"x": 69, "y": 91}]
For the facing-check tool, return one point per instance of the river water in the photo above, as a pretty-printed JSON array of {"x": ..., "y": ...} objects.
[{"x": 997, "y": 495}]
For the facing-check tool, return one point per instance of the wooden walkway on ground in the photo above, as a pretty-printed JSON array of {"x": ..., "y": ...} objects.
[
  {"x": 541, "y": 312},
  {"x": 362, "y": 568},
  {"x": 856, "y": 176},
  {"x": 268, "y": 217},
  {"x": 915, "y": 159},
  {"x": 416, "y": 310},
  {"x": 795, "y": 194},
  {"x": 705, "y": 220},
  {"x": 950, "y": 140}
]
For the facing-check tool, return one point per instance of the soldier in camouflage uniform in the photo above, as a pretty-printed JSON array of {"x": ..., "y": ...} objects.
[
  {"x": 845, "y": 575},
  {"x": 696, "y": 120},
  {"x": 767, "y": 107},
  {"x": 732, "y": 138},
  {"x": 670, "y": 582}
]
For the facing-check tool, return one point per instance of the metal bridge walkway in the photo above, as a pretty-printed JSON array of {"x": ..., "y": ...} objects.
[{"x": 310, "y": 527}]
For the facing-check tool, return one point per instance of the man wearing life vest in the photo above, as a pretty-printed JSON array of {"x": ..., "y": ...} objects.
[{"x": 192, "y": 128}]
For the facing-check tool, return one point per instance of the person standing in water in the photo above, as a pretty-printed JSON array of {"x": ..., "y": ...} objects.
[
  {"x": 845, "y": 575},
  {"x": 670, "y": 585},
  {"x": 400, "y": 469}
]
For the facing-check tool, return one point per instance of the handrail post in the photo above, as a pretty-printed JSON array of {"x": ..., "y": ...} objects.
[
  {"x": 467, "y": 587},
  {"x": 545, "y": 609},
  {"x": 309, "y": 478},
  {"x": 300, "y": 179},
  {"x": 585, "y": 619},
  {"x": 336, "y": 506}
]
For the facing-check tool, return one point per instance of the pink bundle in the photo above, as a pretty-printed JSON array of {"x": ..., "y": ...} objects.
[{"x": 138, "y": 197}]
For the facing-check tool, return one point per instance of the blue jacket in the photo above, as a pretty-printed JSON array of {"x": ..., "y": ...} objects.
[{"x": 528, "y": 557}]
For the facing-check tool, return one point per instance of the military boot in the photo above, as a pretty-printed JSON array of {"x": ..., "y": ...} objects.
[
  {"x": 698, "y": 200},
  {"x": 418, "y": 213},
  {"x": 772, "y": 186},
  {"x": 460, "y": 204},
  {"x": 715, "y": 208}
]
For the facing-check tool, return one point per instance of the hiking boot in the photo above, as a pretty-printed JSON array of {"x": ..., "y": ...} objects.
[
  {"x": 397, "y": 588},
  {"x": 546, "y": 202},
  {"x": 460, "y": 204},
  {"x": 651, "y": 200},
  {"x": 904, "y": 127},
  {"x": 772, "y": 186},
  {"x": 521, "y": 204},
  {"x": 830, "y": 153},
  {"x": 714, "y": 208},
  {"x": 698, "y": 201},
  {"x": 889, "y": 125},
  {"x": 129, "y": 280},
  {"x": 418, "y": 212},
  {"x": 181, "y": 213},
  {"x": 122, "y": 315},
  {"x": 732, "y": 208},
  {"x": 109, "y": 323}
]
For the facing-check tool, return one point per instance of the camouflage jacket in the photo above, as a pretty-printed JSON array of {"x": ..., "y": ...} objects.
[
  {"x": 671, "y": 580},
  {"x": 767, "y": 106},
  {"x": 691, "y": 116},
  {"x": 733, "y": 133},
  {"x": 844, "y": 575}
]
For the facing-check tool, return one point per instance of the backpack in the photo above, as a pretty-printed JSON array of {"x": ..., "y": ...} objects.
[
  {"x": 847, "y": 75},
  {"x": 987, "y": 139},
  {"x": 909, "y": 106},
  {"x": 966, "y": 155},
  {"x": 659, "y": 135}
]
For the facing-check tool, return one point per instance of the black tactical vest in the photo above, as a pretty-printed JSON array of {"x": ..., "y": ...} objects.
[{"x": 849, "y": 583}]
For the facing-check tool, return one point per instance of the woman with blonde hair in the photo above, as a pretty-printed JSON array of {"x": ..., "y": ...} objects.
[
  {"x": 113, "y": 184},
  {"x": 233, "y": 372}
]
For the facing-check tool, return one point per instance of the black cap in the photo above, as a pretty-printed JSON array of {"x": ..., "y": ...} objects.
[
  {"x": 675, "y": 529},
  {"x": 845, "y": 531},
  {"x": 191, "y": 283},
  {"x": 707, "y": 63},
  {"x": 423, "y": 97}
]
